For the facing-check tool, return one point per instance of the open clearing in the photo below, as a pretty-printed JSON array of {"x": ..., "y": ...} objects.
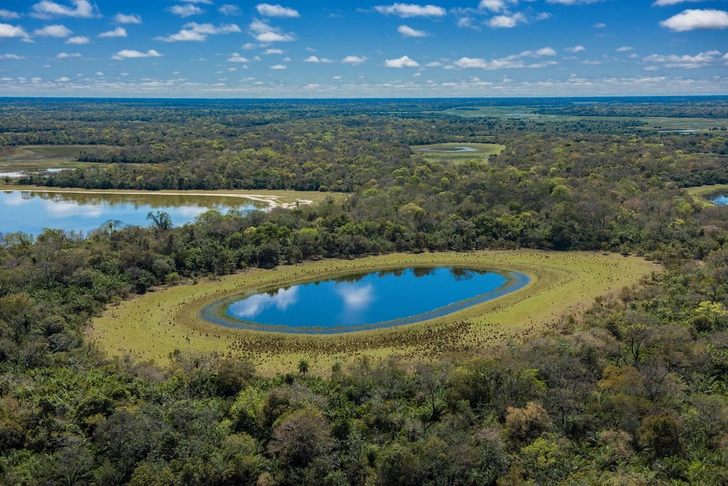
[
  {"x": 706, "y": 193},
  {"x": 152, "y": 326},
  {"x": 39, "y": 157},
  {"x": 456, "y": 152}
]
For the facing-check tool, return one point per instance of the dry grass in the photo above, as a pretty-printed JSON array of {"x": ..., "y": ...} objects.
[{"x": 152, "y": 326}]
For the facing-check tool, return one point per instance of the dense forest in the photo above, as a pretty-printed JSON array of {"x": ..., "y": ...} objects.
[{"x": 633, "y": 392}]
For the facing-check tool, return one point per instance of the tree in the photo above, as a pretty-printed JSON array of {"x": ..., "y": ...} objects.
[
  {"x": 161, "y": 220},
  {"x": 303, "y": 367}
]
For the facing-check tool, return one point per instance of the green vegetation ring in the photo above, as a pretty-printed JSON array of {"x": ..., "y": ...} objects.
[{"x": 216, "y": 312}]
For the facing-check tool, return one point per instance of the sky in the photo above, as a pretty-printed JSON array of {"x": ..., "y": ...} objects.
[{"x": 363, "y": 49}]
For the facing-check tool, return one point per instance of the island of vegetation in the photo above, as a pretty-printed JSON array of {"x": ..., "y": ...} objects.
[{"x": 609, "y": 367}]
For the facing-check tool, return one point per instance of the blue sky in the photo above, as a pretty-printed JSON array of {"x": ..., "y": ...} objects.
[{"x": 324, "y": 48}]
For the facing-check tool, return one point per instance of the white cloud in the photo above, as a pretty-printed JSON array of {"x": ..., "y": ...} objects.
[
  {"x": 546, "y": 51},
  {"x": 401, "y": 62},
  {"x": 406, "y": 10},
  {"x": 235, "y": 57},
  {"x": 707, "y": 19},
  {"x": 433, "y": 64},
  {"x": 514, "y": 61},
  {"x": 665, "y": 3},
  {"x": 54, "y": 31},
  {"x": 600, "y": 25},
  {"x": 78, "y": 40},
  {"x": 117, "y": 32},
  {"x": 7, "y": 14},
  {"x": 625, "y": 49},
  {"x": 193, "y": 31},
  {"x": 127, "y": 19},
  {"x": 353, "y": 60},
  {"x": 267, "y": 10},
  {"x": 575, "y": 49},
  {"x": 12, "y": 57},
  {"x": 279, "y": 67},
  {"x": 8, "y": 31},
  {"x": 315, "y": 59},
  {"x": 47, "y": 9},
  {"x": 495, "y": 5},
  {"x": 132, "y": 54},
  {"x": 63, "y": 79},
  {"x": 685, "y": 61},
  {"x": 265, "y": 33},
  {"x": 229, "y": 10},
  {"x": 268, "y": 52},
  {"x": 408, "y": 31},
  {"x": 66, "y": 55},
  {"x": 573, "y": 2},
  {"x": 470, "y": 62},
  {"x": 507, "y": 21},
  {"x": 185, "y": 10}
]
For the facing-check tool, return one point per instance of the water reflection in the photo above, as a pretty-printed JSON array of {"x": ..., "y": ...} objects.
[
  {"x": 253, "y": 306},
  {"x": 369, "y": 298},
  {"x": 30, "y": 212}
]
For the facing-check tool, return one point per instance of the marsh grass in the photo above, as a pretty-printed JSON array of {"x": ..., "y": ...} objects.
[{"x": 152, "y": 326}]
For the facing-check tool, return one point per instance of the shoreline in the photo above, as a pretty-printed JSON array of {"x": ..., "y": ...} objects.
[{"x": 273, "y": 200}]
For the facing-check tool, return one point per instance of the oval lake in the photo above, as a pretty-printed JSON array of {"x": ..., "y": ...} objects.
[
  {"x": 31, "y": 211},
  {"x": 364, "y": 301}
]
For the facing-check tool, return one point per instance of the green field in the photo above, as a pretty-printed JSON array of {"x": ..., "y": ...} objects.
[
  {"x": 652, "y": 124},
  {"x": 152, "y": 326},
  {"x": 457, "y": 152},
  {"x": 706, "y": 193},
  {"x": 39, "y": 157}
]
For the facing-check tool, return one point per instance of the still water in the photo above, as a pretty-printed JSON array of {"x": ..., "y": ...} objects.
[
  {"x": 30, "y": 212},
  {"x": 373, "y": 300},
  {"x": 720, "y": 200}
]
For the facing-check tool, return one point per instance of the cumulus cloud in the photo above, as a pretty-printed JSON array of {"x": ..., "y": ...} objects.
[
  {"x": 401, "y": 62},
  {"x": 279, "y": 67},
  {"x": 127, "y": 19},
  {"x": 665, "y": 3},
  {"x": 82, "y": 9},
  {"x": 265, "y": 33},
  {"x": 314, "y": 59},
  {"x": 408, "y": 31},
  {"x": 507, "y": 21},
  {"x": 353, "y": 60},
  {"x": 8, "y": 31},
  {"x": 229, "y": 10},
  {"x": 575, "y": 49},
  {"x": 193, "y": 31},
  {"x": 66, "y": 55},
  {"x": 707, "y": 19},
  {"x": 132, "y": 54},
  {"x": 235, "y": 57},
  {"x": 406, "y": 10},
  {"x": 625, "y": 49},
  {"x": 185, "y": 10},
  {"x": 573, "y": 2},
  {"x": 8, "y": 15},
  {"x": 496, "y": 5},
  {"x": 685, "y": 61},
  {"x": 13, "y": 57},
  {"x": 514, "y": 61},
  {"x": 78, "y": 40},
  {"x": 117, "y": 32},
  {"x": 267, "y": 10},
  {"x": 53, "y": 31},
  {"x": 600, "y": 25}
]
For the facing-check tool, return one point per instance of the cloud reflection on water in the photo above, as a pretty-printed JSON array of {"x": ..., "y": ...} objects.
[{"x": 255, "y": 304}]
